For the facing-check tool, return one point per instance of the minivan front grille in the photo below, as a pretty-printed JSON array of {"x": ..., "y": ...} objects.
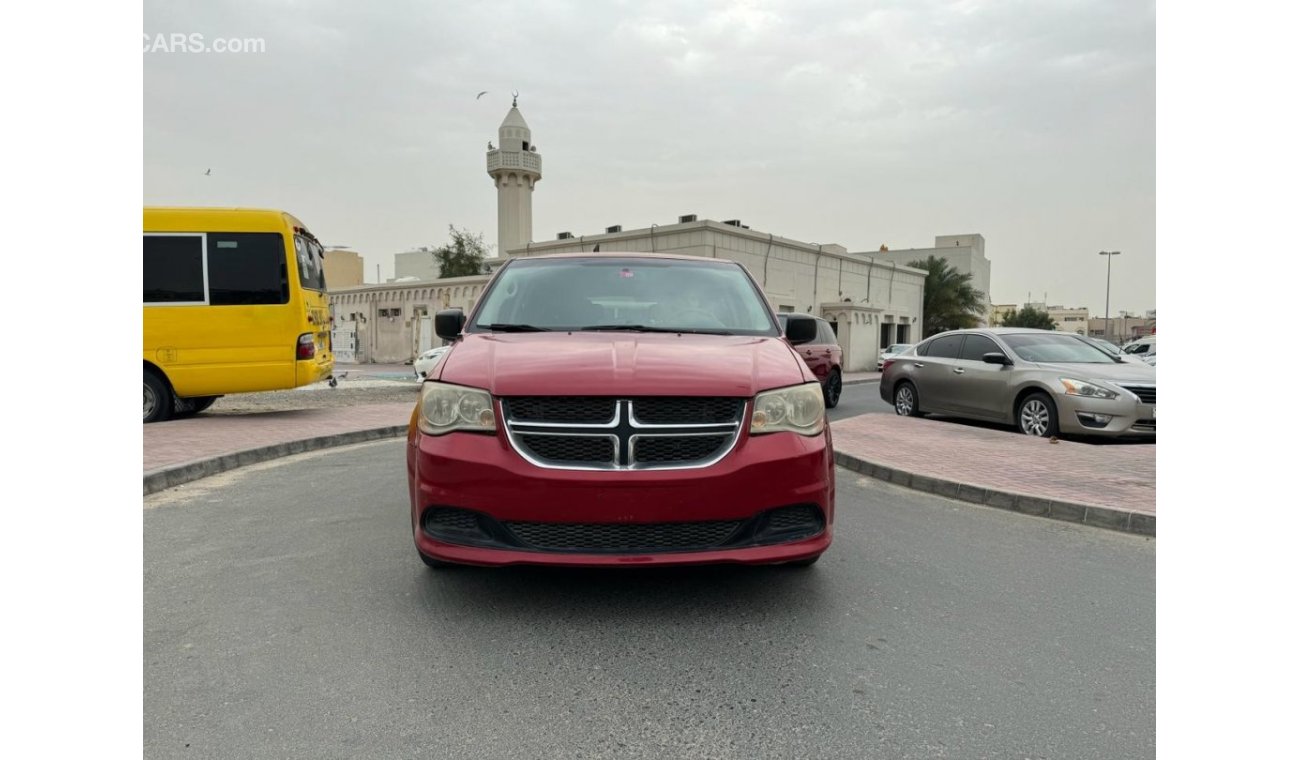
[
  {"x": 586, "y": 449},
  {"x": 600, "y": 433},
  {"x": 686, "y": 410},
  {"x": 566, "y": 409},
  {"x": 676, "y": 448}
]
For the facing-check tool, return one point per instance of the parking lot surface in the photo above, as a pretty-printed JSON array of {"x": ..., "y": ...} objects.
[{"x": 286, "y": 615}]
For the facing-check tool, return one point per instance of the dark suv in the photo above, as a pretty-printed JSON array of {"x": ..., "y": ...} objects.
[
  {"x": 621, "y": 409},
  {"x": 823, "y": 355}
]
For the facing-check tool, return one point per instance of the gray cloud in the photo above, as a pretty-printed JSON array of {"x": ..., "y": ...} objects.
[{"x": 850, "y": 122}]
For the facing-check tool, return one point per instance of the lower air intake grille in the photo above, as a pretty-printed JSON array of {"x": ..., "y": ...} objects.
[
  {"x": 795, "y": 518},
  {"x": 596, "y": 537},
  {"x": 446, "y": 520}
]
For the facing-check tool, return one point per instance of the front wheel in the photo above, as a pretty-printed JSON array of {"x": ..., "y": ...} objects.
[
  {"x": 905, "y": 401},
  {"x": 831, "y": 390},
  {"x": 158, "y": 401},
  {"x": 1037, "y": 416}
]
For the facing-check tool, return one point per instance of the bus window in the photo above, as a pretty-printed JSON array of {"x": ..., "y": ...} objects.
[
  {"x": 246, "y": 268},
  {"x": 173, "y": 269}
]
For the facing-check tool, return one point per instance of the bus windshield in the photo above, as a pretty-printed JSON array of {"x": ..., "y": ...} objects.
[{"x": 311, "y": 263}]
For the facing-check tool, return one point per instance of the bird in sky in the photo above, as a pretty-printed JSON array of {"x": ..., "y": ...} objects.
[
  {"x": 207, "y": 173},
  {"x": 481, "y": 94}
]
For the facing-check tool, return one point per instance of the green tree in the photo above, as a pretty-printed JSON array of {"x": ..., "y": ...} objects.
[
  {"x": 950, "y": 302},
  {"x": 463, "y": 256},
  {"x": 1028, "y": 317}
]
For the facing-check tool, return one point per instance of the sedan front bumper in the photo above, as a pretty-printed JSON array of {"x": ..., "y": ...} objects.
[{"x": 1123, "y": 416}]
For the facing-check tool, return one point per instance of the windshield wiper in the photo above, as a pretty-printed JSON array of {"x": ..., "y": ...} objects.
[
  {"x": 648, "y": 329},
  {"x": 508, "y": 327}
]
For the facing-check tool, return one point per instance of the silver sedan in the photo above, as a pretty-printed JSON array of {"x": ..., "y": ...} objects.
[{"x": 1041, "y": 381}]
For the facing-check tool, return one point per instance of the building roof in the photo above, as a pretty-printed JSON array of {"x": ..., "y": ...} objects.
[{"x": 514, "y": 119}]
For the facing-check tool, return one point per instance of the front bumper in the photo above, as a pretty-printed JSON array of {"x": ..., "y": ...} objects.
[
  {"x": 483, "y": 474},
  {"x": 1128, "y": 417}
]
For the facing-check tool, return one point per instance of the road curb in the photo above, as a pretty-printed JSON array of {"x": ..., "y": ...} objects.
[
  {"x": 1088, "y": 514},
  {"x": 861, "y": 382},
  {"x": 175, "y": 475}
]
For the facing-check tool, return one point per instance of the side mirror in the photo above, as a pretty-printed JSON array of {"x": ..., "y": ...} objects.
[
  {"x": 800, "y": 330},
  {"x": 997, "y": 357},
  {"x": 448, "y": 323}
]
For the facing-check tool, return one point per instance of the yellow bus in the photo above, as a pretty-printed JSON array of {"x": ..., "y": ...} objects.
[{"x": 234, "y": 302}]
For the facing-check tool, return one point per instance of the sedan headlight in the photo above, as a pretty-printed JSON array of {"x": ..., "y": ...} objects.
[
  {"x": 1086, "y": 389},
  {"x": 799, "y": 409},
  {"x": 446, "y": 408}
]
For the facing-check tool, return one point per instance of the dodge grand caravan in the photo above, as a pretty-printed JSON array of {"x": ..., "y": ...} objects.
[{"x": 620, "y": 409}]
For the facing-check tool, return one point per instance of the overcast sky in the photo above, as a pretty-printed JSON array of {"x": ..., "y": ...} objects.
[{"x": 858, "y": 123}]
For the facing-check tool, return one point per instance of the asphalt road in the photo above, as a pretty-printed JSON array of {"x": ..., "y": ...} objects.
[
  {"x": 860, "y": 398},
  {"x": 286, "y": 615}
]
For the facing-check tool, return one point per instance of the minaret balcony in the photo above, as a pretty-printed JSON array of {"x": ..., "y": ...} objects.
[{"x": 504, "y": 160}]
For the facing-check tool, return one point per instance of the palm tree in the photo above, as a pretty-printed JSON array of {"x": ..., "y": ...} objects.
[{"x": 950, "y": 302}]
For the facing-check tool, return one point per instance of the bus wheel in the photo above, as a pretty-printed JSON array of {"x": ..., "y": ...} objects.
[
  {"x": 158, "y": 401},
  {"x": 188, "y": 407}
]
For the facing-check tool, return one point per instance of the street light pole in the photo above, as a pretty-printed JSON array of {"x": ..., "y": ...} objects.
[{"x": 1108, "y": 255}]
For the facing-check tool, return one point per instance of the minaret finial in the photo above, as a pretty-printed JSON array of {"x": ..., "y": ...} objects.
[{"x": 515, "y": 103}]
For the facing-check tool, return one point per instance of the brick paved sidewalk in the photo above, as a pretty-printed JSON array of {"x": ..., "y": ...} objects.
[
  {"x": 180, "y": 441},
  {"x": 1115, "y": 475}
]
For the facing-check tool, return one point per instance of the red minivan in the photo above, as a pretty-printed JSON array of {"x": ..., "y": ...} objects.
[{"x": 621, "y": 409}]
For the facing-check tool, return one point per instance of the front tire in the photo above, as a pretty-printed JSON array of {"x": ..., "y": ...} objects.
[
  {"x": 831, "y": 390},
  {"x": 1036, "y": 416},
  {"x": 158, "y": 399},
  {"x": 906, "y": 401}
]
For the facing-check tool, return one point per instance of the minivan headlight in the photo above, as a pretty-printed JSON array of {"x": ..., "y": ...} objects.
[
  {"x": 445, "y": 408},
  {"x": 1086, "y": 389},
  {"x": 798, "y": 409}
]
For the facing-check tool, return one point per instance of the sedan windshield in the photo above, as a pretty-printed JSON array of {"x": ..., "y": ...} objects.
[
  {"x": 618, "y": 294},
  {"x": 1064, "y": 349}
]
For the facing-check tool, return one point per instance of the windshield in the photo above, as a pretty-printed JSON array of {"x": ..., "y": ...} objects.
[
  {"x": 633, "y": 294},
  {"x": 1109, "y": 348},
  {"x": 311, "y": 263},
  {"x": 1045, "y": 347}
]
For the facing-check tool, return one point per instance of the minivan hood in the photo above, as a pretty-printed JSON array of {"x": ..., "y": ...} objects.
[
  {"x": 624, "y": 364},
  {"x": 1126, "y": 372}
]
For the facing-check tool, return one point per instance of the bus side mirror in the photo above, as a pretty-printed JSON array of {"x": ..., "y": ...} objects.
[{"x": 448, "y": 323}]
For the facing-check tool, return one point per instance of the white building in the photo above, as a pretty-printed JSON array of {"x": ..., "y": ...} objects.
[
  {"x": 1071, "y": 319},
  {"x": 418, "y": 263},
  {"x": 871, "y": 299},
  {"x": 870, "y": 304},
  {"x": 965, "y": 253}
]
